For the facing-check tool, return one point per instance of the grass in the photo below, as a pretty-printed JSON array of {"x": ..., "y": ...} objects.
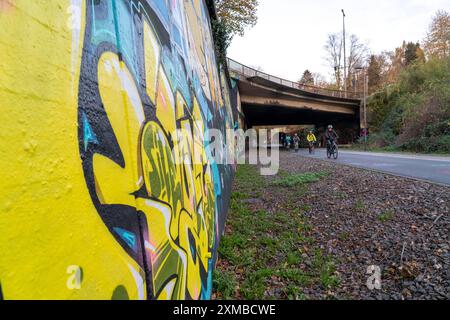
[
  {"x": 326, "y": 268},
  {"x": 392, "y": 149},
  {"x": 300, "y": 179},
  {"x": 293, "y": 258},
  {"x": 360, "y": 205},
  {"x": 225, "y": 282},
  {"x": 262, "y": 257},
  {"x": 344, "y": 236},
  {"x": 386, "y": 216}
]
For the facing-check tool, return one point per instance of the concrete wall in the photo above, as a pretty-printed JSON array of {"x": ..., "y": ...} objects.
[{"x": 93, "y": 204}]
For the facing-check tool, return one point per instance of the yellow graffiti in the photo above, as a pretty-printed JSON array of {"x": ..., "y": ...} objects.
[
  {"x": 47, "y": 220},
  {"x": 180, "y": 207},
  {"x": 56, "y": 240}
]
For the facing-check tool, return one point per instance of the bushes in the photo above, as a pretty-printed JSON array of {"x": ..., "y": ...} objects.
[
  {"x": 429, "y": 145},
  {"x": 426, "y": 125},
  {"x": 414, "y": 113}
]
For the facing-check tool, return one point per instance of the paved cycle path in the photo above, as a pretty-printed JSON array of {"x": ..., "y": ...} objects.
[{"x": 430, "y": 168}]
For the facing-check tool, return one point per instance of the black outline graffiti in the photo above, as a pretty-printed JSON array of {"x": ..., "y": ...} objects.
[{"x": 91, "y": 107}]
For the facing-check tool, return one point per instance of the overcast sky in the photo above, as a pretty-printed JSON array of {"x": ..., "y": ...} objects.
[{"x": 290, "y": 34}]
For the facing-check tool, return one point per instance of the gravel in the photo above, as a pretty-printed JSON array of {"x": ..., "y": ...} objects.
[{"x": 364, "y": 219}]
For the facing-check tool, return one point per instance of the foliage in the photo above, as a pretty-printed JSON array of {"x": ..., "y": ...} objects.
[
  {"x": 385, "y": 68},
  {"x": 234, "y": 16},
  {"x": 237, "y": 15},
  {"x": 413, "y": 53},
  {"x": 222, "y": 39},
  {"x": 414, "y": 113},
  {"x": 374, "y": 72}
]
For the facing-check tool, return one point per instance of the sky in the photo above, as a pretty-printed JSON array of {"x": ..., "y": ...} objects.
[{"x": 290, "y": 34}]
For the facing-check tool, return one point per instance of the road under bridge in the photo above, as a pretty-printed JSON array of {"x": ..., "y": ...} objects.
[{"x": 268, "y": 100}]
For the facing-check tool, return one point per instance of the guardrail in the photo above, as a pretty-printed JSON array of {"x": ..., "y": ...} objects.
[{"x": 251, "y": 72}]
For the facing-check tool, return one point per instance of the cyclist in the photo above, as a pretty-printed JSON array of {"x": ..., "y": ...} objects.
[
  {"x": 331, "y": 137},
  {"x": 288, "y": 141},
  {"x": 296, "y": 142},
  {"x": 282, "y": 137},
  {"x": 311, "y": 138}
]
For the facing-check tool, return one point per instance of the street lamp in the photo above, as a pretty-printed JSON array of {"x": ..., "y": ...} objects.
[
  {"x": 366, "y": 90},
  {"x": 345, "y": 55}
]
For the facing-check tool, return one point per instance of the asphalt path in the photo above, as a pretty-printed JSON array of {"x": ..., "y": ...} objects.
[{"x": 422, "y": 167}]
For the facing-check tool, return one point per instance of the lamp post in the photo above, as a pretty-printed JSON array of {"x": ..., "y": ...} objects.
[
  {"x": 366, "y": 93},
  {"x": 345, "y": 55}
]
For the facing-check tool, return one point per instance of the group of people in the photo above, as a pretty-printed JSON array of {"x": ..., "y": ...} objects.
[{"x": 288, "y": 141}]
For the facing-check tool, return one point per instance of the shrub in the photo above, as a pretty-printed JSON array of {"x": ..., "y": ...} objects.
[{"x": 414, "y": 113}]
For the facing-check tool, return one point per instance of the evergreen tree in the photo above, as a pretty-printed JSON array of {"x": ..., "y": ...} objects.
[{"x": 307, "y": 78}]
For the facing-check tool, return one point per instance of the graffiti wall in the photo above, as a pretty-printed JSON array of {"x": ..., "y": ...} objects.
[{"x": 99, "y": 199}]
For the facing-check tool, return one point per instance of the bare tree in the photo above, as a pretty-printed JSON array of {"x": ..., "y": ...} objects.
[
  {"x": 437, "y": 41},
  {"x": 333, "y": 48},
  {"x": 359, "y": 53},
  {"x": 319, "y": 80}
]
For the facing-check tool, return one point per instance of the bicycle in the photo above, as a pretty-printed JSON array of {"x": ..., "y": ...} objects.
[
  {"x": 333, "y": 150},
  {"x": 287, "y": 145},
  {"x": 311, "y": 148}
]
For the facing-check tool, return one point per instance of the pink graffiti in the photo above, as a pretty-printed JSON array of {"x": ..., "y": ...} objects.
[{"x": 6, "y": 6}]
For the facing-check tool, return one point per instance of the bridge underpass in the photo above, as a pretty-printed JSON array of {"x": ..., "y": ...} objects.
[{"x": 270, "y": 101}]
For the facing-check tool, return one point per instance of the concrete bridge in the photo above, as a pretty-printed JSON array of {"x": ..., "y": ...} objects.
[{"x": 268, "y": 100}]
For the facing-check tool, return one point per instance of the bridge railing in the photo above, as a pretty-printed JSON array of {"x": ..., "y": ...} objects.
[{"x": 251, "y": 72}]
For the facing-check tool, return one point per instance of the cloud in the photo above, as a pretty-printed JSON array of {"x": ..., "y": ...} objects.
[{"x": 290, "y": 34}]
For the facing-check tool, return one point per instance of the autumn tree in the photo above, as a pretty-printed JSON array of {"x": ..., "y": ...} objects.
[
  {"x": 396, "y": 63},
  {"x": 234, "y": 16},
  {"x": 375, "y": 71},
  {"x": 237, "y": 15},
  {"x": 420, "y": 53},
  {"x": 437, "y": 41}
]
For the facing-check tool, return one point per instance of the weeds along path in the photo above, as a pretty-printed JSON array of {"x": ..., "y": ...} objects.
[{"x": 312, "y": 231}]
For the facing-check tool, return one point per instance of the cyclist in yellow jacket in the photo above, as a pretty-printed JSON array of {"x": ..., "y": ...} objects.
[{"x": 311, "y": 137}]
